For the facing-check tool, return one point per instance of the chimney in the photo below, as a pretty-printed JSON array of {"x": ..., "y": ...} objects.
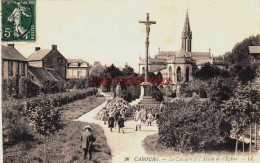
[
  {"x": 11, "y": 45},
  {"x": 37, "y": 48},
  {"x": 54, "y": 47}
]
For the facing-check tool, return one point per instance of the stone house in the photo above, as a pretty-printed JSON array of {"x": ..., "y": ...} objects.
[
  {"x": 50, "y": 59},
  {"x": 13, "y": 62},
  {"x": 77, "y": 69}
]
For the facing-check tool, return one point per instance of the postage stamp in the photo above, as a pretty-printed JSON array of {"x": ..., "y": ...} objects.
[{"x": 18, "y": 20}]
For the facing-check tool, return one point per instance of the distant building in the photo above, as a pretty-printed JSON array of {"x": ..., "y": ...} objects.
[
  {"x": 255, "y": 53},
  {"x": 77, "y": 69},
  {"x": 13, "y": 62},
  {"x": 51, "y": 59},
  {"x": 97, "y": 69}
]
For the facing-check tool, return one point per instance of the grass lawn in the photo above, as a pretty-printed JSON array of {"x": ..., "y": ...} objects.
[
  {"x": 74, "y": 110},
  {"x": 64, "y": 146},
  {"x": 153, "y": 147}
]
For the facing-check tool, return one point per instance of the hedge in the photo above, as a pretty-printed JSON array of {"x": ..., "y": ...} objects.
[{"x": 193, "y": 126}]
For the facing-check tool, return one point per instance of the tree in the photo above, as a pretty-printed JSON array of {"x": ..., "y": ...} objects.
[
  {"x": 128, "y": 71},
  {"x": 45, "y": 118},
  {"x": 240, "y": 52},
  {"x": 208, "y": 71},
  {"x": 243, "y": 108},
  {"x": 112, "y": 71}
]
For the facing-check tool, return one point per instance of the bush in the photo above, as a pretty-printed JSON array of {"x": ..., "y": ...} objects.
[
  {"x": 15, "y": 126},
  {"x": 193, "y": 126}
]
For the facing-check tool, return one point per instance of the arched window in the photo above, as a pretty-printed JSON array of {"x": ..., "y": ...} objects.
[
  {"x": 143, "y": 70},
  {"x": 179, "y": 78},
  {"x": 170, "y": 72},
  {"x": 187, "y": 74}
]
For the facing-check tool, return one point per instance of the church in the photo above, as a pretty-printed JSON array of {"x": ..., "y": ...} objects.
[{"x": 178, "y": 65}]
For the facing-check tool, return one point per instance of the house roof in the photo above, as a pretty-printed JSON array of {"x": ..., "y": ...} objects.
[
  {"x": 76, "y": 61},
  {"x": 38, "y": 55},
  {"x": 41, "y": 74},
  {"x": 97, "y": 69},
  {"x": 9, "y": 52},
  {"x": 254, "y": 49}
]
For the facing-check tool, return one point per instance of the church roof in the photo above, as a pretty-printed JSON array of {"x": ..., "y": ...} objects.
[
  {"x": 200, "y": 55},
  {"x": 182, "y": 53},
  {"x": 9, "y": 52},
  {"x": 38, "y": 55}
]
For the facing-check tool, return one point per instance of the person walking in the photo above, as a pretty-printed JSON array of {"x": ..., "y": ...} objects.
[
  {"x": 105, "y": 115},
  {"x": 111, "y": 121},
  {"x": 143, "y": 115},
  {"x": 150, "y": 118},
  {"x": 138, "y": 120},
  {"x": 120, "y": 123},
  {"x": 87, "y": 139}
]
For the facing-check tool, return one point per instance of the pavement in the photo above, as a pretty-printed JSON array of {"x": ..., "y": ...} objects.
[{"x": 125, "y": 147}]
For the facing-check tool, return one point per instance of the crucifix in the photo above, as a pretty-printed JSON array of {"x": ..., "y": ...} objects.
[{"x": 147, "y": 23}]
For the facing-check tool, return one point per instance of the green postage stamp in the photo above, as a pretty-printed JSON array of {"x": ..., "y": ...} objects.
[{"x": 18, "y": 20}]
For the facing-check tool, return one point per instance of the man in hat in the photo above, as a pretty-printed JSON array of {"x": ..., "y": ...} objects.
[{"x": 87, "y": 139}]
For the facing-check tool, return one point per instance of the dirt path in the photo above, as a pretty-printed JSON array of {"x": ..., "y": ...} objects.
[{"x": 122, "y": 145}]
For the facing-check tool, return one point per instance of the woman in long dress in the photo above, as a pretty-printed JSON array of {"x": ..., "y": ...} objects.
[{"x": 105, "y": 115}]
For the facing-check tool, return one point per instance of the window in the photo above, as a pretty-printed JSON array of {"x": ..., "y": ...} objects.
[
  {"x": 79, "y": 64},
  {"x": 179, "y": 77},
  {"x": 68, "y": 64},
  {"x": 10, "y": 68},
  {"x": 187, "y": 74}
]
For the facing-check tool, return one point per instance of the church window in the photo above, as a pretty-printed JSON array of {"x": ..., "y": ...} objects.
[
  {"x": 179, "y": 78},
  {"x": 187, "y": 74},
  {"x": 170, "y": 72}
]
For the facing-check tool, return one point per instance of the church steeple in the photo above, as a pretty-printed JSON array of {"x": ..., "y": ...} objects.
[{"x": 186, "y": 34}]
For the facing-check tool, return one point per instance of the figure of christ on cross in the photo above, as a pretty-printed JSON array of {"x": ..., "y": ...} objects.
[{"x": 147, "y": 24}]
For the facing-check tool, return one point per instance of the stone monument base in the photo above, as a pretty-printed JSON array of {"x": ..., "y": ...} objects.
[{"x": 147, "y": 98}]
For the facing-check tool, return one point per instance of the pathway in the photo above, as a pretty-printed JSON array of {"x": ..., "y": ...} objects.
[{"x": 121, "y": 145}]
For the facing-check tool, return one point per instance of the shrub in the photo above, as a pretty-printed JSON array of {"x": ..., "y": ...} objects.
[
  {"x": 15, "y": 126},
  {"x": 192, "y": 126}
]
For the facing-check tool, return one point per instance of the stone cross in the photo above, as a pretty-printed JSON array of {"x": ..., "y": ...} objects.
[{"x": 147, "y": 24}]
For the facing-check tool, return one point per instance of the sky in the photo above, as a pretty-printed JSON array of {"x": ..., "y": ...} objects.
[{"x": 108, "y": 30}]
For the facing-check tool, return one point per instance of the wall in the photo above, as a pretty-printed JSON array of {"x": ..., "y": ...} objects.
[
  {"x": 16, "y": 68},
  {"x": 72, "y": 73},
  {"x": 35, "y": 63}
]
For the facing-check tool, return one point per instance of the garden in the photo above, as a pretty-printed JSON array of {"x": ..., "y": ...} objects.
[{"x": 32, "y": 132}]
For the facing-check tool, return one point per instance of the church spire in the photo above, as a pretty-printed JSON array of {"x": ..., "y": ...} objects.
[{"x": 186, "y": 34}]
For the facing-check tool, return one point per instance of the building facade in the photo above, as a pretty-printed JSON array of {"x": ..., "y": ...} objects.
[
  {"x": 13, "y": 62},
  {"x": 77, "y": 69},
  {"x": 51, "y": 59}
]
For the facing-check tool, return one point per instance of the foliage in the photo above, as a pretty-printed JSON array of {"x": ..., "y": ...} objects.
[
  {"x": 244, "y": 73},
  {"x": 15, "y": 126},
  {"x": 243, "y": 107},
  {"x": 33, "y": 90},
  {"x": 112, "y": 71},
  {"x": 217, "y": 89},
  {"x": 208, "y": 71},
  {"x": 128, "y": 71},
  {"x": 50, "y": 86},
  {"x": 45, "y": 117},
  {"x": 77, "y": 83},
  {"x": 240, "y": 52},
  {"x": 130, "y": 93},
  {"x": 192, "y": 126}
]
